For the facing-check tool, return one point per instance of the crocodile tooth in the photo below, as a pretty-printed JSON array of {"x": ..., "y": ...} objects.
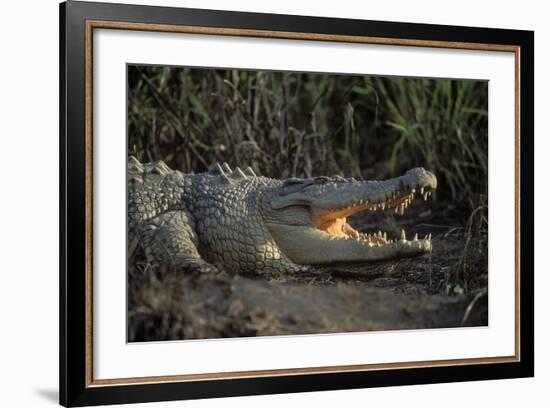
[
  {"x": 401, "y": 209},
  {"x": 421, "y": 190},
  {"x": 426, "y": 196},
  {"x": 383, "y": 206},
  {"x": 415, "y": 237},
  {"x": 429, "y": 237},
  {"x": 385, "y": 236},
  {"x": 403, "y": 236}
]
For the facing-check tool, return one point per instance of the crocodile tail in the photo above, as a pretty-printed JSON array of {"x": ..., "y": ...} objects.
[
  {"x": 134, "y": 170},
  {"x": 134, "y": 165},
  {"x": 152, "y": 189}
]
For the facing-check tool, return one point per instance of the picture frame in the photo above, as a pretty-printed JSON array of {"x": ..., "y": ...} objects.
[{"x": 79, "y": 21}]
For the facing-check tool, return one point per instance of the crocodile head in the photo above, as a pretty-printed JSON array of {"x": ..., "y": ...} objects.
[{"x": 307, "y": 217}]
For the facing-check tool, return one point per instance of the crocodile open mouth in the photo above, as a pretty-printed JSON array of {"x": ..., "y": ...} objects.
[
  {"x": 311, "y": 224},
  {"x": 334, "y": 222}
]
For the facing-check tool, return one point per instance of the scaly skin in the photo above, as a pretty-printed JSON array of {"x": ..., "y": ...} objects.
[{"x": 261, "y": 225}]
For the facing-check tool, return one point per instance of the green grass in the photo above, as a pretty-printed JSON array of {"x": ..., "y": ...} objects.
[{"x": 441, "y": 125}]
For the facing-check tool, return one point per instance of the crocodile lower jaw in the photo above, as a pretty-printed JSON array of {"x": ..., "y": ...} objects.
[{"x": 309, "y": 246}]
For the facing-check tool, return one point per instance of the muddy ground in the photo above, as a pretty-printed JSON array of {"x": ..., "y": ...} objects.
[{"x": 447, "y": 288}]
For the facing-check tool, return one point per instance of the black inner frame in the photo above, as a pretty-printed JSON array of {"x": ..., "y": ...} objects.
[{"x": 73, "y": 391}]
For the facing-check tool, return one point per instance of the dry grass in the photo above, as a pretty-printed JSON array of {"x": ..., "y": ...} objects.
[{"x": 299, "y": 124}]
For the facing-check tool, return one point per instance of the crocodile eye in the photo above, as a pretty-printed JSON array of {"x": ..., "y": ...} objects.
[{"x": 321, "y": 180}]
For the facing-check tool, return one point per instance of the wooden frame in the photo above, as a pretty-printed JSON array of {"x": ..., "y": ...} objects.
[{"x": 77, "y": 22}]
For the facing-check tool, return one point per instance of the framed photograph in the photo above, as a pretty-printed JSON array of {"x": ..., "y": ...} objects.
[{"x": 255, "y": 203}]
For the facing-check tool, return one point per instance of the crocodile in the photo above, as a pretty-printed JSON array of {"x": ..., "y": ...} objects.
[{"x": 260, "y": 225}]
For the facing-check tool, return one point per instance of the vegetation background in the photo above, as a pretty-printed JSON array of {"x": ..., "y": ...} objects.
[
  {"x": 299, "y": 124},
  {"x": 285, "y": 124}
]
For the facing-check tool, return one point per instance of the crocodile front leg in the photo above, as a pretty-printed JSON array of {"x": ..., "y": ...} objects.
[{"x": 170, "y": 239}]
